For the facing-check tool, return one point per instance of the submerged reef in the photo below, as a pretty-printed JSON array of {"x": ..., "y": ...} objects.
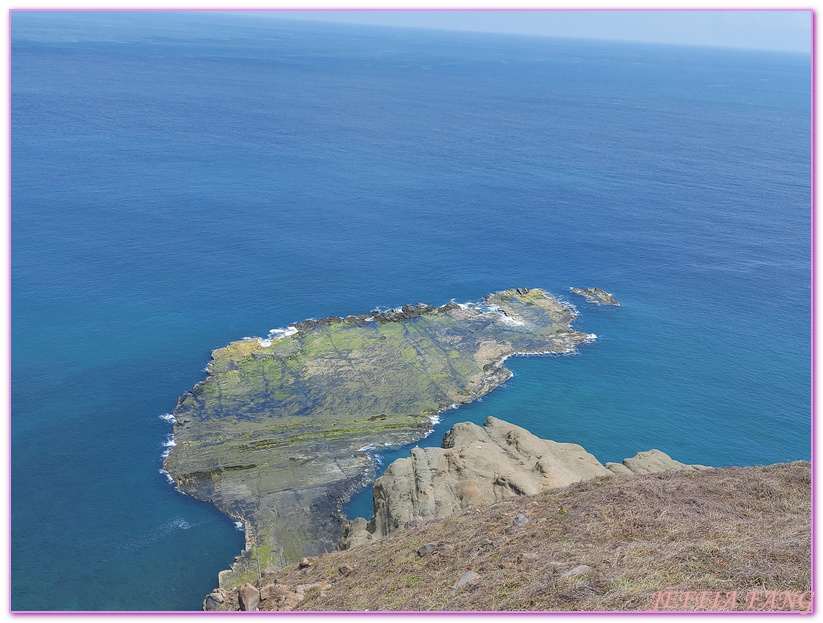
[{"x": 279, "y": 434}]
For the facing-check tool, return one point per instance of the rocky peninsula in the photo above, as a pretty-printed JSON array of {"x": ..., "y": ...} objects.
[{"x": 279, "y": 433}]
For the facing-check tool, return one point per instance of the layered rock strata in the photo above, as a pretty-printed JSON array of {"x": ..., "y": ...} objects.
[{"x": 280, "y": 432}]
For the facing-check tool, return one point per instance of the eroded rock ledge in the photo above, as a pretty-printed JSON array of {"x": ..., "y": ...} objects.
[
  {"x": 479, "y": 465},
  {"x": 279, "y": 433}
]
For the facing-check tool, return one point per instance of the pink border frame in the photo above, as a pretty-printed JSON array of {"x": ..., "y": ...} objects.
[{"x": 148, "y": 613}]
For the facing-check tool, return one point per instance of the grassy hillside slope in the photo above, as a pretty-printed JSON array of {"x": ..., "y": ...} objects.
[{"x": 605, "y": 544}]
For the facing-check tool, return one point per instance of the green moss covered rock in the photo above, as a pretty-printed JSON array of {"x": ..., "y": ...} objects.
[{"x": 278, "y": 434}]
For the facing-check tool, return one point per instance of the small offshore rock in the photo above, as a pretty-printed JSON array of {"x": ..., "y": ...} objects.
[
  {"x": 467, "y": 577},
  {"x": 598, "y": 296},
  {"x": 249, "y": 598},
  {"x": 426, "y": 549},
  {"x": 520, "y": 520},
  {"x": 580, "y": 570}
]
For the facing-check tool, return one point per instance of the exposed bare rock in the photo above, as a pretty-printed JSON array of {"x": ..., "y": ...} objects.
[
  {"x": 479, "y": 465},
  {"x": 467, "y": 577},
  {"x": 655, "y": 461},
  {"x": 269, "y": 591},
  {"x": 355, "y": 533},
  {"x": 214, "y": 599},
  {"x": 476, "y": 465},
  {"x": 249, "y": 597},
  {"x": 619, "y": 469},
  {"x": 580, "y": 570},
  {"x": 425, "y": 550},
  {"x": 598, "y": 296}
]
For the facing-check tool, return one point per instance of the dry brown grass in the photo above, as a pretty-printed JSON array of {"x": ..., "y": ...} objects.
[{"x": 731, "y": 529}]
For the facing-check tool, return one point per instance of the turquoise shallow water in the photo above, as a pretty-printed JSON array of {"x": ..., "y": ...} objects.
[{"x": 183, "y": 180}]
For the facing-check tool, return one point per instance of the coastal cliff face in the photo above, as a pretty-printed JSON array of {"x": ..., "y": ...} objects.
[
  {"x": 278, "y": 434},
  {"x": 482, "y": 465}
]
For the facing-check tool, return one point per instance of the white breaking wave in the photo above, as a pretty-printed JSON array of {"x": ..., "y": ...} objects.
[
  {"x": 171, "y": 481},
  {"x": 273, "y": 336},
  {"x": 168, "y": 417},
  {"x": 568, "y": 304},
  {"x": 167, "y": 475},
  {"x": 280, "y": 333},
  {"x": 366, "y": 448},
  {"x": 238, "y": 525},
  {"x": 276, "y": 335},
  {"x": 504, "y": 318},
  {"x": 509, "y": 320},
  {"x": 167, "y": 446}
]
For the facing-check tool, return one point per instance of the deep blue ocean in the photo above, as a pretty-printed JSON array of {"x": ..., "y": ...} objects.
[{"x": 180, "y": 181}]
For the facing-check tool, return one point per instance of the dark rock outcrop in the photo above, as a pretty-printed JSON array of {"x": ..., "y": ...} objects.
[{"x": 598, "y": 296}]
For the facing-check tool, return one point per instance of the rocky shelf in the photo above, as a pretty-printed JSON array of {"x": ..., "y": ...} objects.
[{"x": 278, "y": 434}]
